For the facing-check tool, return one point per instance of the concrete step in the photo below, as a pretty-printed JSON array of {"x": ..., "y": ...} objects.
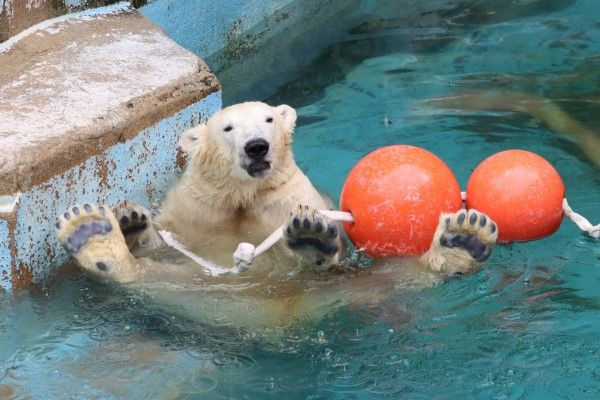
[{"x": 91, "y": 105}]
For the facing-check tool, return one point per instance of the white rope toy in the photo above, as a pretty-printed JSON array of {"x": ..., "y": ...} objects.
[
  {"x": 246, "y": 252},
  {"x": 580, "y": 221}
]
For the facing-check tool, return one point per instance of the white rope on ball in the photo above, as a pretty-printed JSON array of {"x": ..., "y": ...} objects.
[
  {"x": 583, "y": 224},
  {"x": 245, "y": 253}
]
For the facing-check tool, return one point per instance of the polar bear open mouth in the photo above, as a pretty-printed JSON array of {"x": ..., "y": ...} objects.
[{"x": 257, "y": 169}]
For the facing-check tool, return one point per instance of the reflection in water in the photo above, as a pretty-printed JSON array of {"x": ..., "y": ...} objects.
[{"x": 543, "y": 109}]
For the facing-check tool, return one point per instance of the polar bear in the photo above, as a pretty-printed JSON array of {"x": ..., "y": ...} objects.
[{"x": 242, "y": 183}]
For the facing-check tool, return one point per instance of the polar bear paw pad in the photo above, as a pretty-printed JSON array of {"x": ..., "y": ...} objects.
[
  {"x": 91, "y": 234},
  {"x": 471, "y": 231},
  {"x": 132, "y": 218},
  {"x": 308, "y": 228}
]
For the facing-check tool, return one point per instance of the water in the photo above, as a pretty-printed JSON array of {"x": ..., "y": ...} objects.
[{"x": 526, "y": 326}]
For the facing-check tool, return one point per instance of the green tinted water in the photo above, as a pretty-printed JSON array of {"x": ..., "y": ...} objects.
[{"x": 526, "y": 326}]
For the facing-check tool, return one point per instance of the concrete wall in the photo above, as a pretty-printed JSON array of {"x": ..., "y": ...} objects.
[
  {"x": 255, "y": 46},
  {"x": 5, "y": 257},
  {"x": 204, "y": 27},
  {"x": 140, "y": 169},
  {"x": 225, "y": 32},
  {"x": 232, "y": 35},
  {"x": 96, "y": 124},
  {"x": 239, "y": 37},
  {"x": 18, "y": 15}
]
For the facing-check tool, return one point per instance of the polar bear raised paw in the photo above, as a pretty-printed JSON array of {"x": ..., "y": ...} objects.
[
  {"x": 471, "y": 231},
  {"x": 133, "y": 219},
  {"x": 92, "y": 235},
  {"x": 313, "y": 237},
  {"x": 462, "y": 242}
]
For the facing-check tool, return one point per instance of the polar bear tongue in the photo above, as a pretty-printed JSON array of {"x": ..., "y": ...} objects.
[{"x": 257, "y": 168}]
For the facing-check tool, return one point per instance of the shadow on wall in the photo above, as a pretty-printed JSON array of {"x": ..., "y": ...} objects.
[{"x": 18, "y": 15}]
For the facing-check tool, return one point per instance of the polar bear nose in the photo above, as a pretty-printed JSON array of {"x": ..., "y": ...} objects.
[{"x": 257, "y": 148}]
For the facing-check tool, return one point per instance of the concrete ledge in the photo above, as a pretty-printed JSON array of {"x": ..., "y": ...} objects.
[
  {"x": 91, "y": 108},
  {"x": 18, "y": 15},
  {"x": 82, "y": 84}
]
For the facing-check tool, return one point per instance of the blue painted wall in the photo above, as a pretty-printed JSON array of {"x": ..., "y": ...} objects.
[
  {"x": 256, "y": 46},
  {"x": 203, "y": 27},
  {"x": 4, "y": 256},
  {"x": 141, "y": 169}
]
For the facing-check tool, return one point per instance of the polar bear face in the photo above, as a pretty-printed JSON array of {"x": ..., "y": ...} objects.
[{"x": 245, "y": 141}]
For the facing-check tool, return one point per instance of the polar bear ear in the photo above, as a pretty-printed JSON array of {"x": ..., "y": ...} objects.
[
  {"x": 189, "y": 139},
  {"x": 288, "y": 116}
]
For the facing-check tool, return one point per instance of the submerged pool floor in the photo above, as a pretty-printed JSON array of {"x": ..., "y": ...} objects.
[{"x": 526, "y": 326}]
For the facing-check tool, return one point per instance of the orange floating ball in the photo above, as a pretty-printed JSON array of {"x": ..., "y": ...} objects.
[
  {"x": 396, "y": 195},
  {"x": 519, "y": 190}
]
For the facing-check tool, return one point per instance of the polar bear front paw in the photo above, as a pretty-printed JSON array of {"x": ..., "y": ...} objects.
[
  {"x": 91, "y": 234},
  {"x": 463, "y": 240},
  {"x": 133, "y": 219},
  {"x": 313, "y": 236},
  {"x": 471, "y": 231}
]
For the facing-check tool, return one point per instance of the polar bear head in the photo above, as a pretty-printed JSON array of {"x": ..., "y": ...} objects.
[{"x": 246, "y": 142}]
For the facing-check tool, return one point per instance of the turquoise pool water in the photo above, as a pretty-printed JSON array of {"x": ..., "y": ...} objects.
[{"x": 526, "y": 326}]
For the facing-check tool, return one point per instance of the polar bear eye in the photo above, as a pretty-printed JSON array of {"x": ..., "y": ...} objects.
[
  {"x": 228, "y": 128},
  {"x": 269, "y": 119}
]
